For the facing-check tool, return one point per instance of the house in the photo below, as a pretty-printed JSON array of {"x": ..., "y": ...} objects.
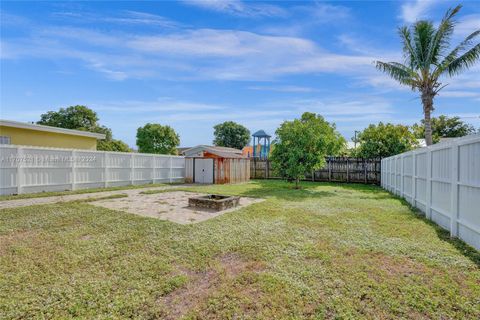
[
  {"x": 421, "y": 143},
  {"x": 20, "y": 133},
  {"x": 219, "y": 165}
]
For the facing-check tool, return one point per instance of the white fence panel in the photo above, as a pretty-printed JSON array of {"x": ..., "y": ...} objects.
[
  {"x": 25, "y": 169},
  {"x": 443, "y": 181}
]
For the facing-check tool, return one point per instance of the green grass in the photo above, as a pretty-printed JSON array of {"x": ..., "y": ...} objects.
[
  {"x": 325, "y": 251},
  {"x": 83, "y": 191}
]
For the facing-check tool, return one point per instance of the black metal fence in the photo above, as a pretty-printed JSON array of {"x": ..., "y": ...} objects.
[{"x": 337, "y": 169}]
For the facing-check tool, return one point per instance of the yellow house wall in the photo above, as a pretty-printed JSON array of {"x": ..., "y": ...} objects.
[{"x": 47, "y": 139}]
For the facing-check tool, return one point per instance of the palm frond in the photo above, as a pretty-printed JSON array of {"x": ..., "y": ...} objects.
[
  {"x": 465, "y": 61},
  {"x": 464, "y": 45},
  {"x": 398, "y": 71},
  {"x": 442, "y": 36},
  {"x": 408, "y": 49},
  {"x": 423, "y": 34}
]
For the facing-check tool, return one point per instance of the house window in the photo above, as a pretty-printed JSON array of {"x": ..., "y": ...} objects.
[{"x": 4, "y": 140}]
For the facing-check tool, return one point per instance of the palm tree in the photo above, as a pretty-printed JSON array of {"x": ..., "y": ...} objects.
[{"x": 426, "y": 60}]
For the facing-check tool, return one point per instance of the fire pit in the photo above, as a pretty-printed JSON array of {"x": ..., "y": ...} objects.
[{"x": 215, "y": 202}]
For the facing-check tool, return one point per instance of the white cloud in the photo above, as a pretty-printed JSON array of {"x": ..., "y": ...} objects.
[
  {"x": 466, "y": 82},
  {"x": 349, "y": 112},
  {"x": 342, "y": 109},
  {"x": 136, "y": 17},
  {"x": 459, "y": 94},
  {"x": 380, "y": 81},
  {"x": 297, "y": 89},
  {"x": 238, "y": 8},
  {"x": 467, "y": 117},
  {"x": 197, "y": 54},
  {"x": 466, "y": 25},
  {"x": 308, "y": 18},
  {"x": 326, "y": 12},
  {"x": 349, "y": 107},
  {"x": 111, "y": 74},
  {"x": 359, "y": 44},
  {"x": 415, "y": 10},
  {"x": 158, "y": 105},
  {"x": 11, "y": 20},
  {"x": 465, "y": 85},
  {"x": 125, "y": 17},
  {"x": 213, "y": 42},
  {"x": 227, "y": 115},
  {"x": 63, "y": 35}
]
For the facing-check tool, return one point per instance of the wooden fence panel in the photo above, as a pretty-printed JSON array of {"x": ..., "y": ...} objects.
[{"x": 337, "y": 169}]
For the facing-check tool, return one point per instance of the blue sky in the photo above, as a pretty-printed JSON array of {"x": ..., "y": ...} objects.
[{"x": 193, "y": 64}]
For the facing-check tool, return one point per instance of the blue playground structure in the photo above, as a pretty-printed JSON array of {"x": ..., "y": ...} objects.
[{"x": 261, "y": 144}]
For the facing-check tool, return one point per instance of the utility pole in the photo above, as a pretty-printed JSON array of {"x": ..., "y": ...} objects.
[{"x": 355, "y": 139}]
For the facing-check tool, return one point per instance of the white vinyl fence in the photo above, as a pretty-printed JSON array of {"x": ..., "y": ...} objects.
[
  {"x": 443, "y": 181},
  {"x": 25, "y": 169}
]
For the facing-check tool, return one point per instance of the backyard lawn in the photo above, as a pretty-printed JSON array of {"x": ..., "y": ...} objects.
[{"x": 324, "y": 251}]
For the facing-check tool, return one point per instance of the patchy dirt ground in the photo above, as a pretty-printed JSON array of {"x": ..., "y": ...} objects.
[
  {"x": 171, "y": 206},
  {"x": 201, "y": 285}
]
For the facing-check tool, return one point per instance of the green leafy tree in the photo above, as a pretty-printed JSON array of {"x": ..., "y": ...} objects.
[
  {"x": 384, "y": 140},
  {"x": 155, "y": 138},
  {"x": 302, "y": 144},
  {"x": 83, "y": 118},
  {"x": 335, "y": 142},
  {"x": 74, "y": 117},
  {"x": 427, "y": 59},
  {"x": 113, "y": 145},
  {"x": 231, "y": 134},
  {"x": 444, "y": 127}
]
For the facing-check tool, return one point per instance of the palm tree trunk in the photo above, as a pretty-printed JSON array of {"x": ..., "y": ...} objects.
[
  {"x": 427, "y": 101},
  {"x": 428, "y": 128}
]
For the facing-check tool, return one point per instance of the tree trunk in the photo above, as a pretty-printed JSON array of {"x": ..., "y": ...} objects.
[
  {"x": 428, "y": 128},
  {"x": 427, "y": 101},
  {"x": 296, "y": 183}
]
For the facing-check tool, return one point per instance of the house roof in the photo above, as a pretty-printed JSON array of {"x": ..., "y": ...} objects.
[
  {"x": 422, "y": 143},
  {"x": 37, "y": 127},
  {"x": 223, "y": 152}
]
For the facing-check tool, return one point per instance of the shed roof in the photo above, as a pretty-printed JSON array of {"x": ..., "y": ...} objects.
[
  {"x": 261, "y": 134},
  {"x": 223, "y": 152},
  {"x": 181, "y": 150},
  {"x": 38, "y": 127}
]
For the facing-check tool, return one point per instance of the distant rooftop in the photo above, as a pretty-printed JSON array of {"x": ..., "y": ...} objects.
[
  {"x": 224, "y": 152},
  {"x": 38, "y": 127}
]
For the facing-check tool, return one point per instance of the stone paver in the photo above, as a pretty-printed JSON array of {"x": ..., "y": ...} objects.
[{"x": 171, "y": 206}]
